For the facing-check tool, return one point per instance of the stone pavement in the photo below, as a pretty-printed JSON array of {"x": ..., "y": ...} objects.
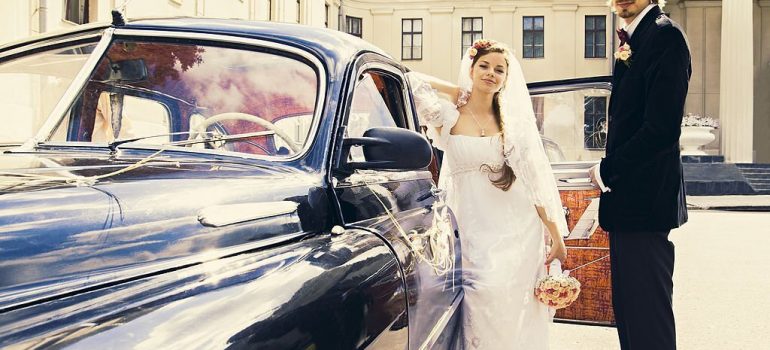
[
  {"x": 737, "y": 203},
  {"x": 720, "y": 287}
]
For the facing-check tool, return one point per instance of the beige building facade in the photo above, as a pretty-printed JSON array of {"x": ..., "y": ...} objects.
[
  {"x": 23, "y": 18},
  {"x": 553, "y": 39},
  {"x": 743, "y": 110}
]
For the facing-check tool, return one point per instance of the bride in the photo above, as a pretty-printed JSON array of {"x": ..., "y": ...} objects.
[{"x": 501, "y": 188}]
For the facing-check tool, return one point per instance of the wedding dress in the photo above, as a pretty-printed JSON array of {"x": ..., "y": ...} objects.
[
  {"x": 501, "y": 235},
  {"x": 503, "y": 250}
]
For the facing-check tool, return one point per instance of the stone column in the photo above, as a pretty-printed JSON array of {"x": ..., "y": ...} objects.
[
  {"x": 382, "y": 33},
  {"x": 440, "y": 45},
  {"x": 736, "y": 103},
  {"x": 564, "y": 43}
]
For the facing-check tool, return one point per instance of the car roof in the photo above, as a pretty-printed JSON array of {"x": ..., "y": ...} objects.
[{"x": 329, "y": 43}]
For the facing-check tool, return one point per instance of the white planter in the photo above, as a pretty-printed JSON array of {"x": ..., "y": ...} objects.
[{"x": 693, "y": 137}]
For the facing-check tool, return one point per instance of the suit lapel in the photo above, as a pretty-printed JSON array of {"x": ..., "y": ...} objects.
[
  {"x": 635, "y": 41},
  {"x": 642, "y": 31}
]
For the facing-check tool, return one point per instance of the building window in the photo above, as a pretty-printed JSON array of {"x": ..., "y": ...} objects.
[
  {"x": 299, "y": 11},
  {"x": 411, "y": 39},
  {"x": 76, "y": 11},
  {"x": 596, "y": 37},
  {"x": 353, "y": 25},
  {"x": 473, "y": 29},
  {"x": 326, "y": 16},
  {"x": 534, "y": 37},
  {"x": 595, "y": 122}
]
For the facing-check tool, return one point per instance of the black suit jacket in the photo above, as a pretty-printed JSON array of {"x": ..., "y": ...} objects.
[{"x": 642, "y": 165}]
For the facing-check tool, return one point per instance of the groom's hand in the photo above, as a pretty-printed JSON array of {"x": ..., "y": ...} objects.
[{"x": 592, "y": 175}]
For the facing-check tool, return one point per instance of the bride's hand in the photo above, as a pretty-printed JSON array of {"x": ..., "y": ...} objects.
[{"x": 558, "y": 251}]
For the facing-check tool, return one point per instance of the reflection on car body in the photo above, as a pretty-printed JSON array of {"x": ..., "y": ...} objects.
[{"x": 215, "y": 184}]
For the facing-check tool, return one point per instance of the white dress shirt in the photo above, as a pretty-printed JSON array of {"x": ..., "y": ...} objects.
[{"x": 631, "y": 27}]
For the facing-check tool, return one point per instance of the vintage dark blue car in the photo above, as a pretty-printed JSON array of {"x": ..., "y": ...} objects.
[
  {"x": 220, "y": 184},
  {"x": 198, "y": 183}
]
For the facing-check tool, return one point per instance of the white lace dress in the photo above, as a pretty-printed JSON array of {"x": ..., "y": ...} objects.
[
  {"x": 503, "y": 249},
  {"x": 501, "y": 235}
]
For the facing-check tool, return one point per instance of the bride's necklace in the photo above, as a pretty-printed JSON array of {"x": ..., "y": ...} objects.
[{"x": 483, "y": 132}]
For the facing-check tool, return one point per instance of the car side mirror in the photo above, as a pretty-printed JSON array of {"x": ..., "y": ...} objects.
[{"x": 390, "y": 148}]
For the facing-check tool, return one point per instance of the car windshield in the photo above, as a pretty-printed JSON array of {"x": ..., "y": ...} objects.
[
  {"x": 201, "y": 96},
  {"x": 32, "y": 85}
]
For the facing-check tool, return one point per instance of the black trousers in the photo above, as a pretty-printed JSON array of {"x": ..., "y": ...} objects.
[{"x": 642, "y": 266}]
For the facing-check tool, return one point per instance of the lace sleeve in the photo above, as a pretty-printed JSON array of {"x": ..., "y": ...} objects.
[
  {"x": 437, "y": 114},
  {"x": 526, "y": 156}
]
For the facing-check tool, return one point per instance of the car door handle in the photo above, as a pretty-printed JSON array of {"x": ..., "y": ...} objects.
[
  {"x": 576, "y": 180},
  {"x": 434, "y": 192}
]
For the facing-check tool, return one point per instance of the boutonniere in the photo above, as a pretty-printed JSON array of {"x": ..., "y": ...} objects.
[{"x": 624, "y": 54}]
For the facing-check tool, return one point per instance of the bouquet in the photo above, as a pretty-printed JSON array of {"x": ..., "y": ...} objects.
[
  {"x": 557, "y": 290},
  {"x": 697, "y": 120}
]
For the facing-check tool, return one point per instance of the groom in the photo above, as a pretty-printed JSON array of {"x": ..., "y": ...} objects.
[{"x": 641, "y": 175}]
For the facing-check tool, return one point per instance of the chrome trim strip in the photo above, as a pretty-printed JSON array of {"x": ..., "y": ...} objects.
[
  {"x": 228, "y": 214},
  {"x": 44, "y": 44},
  {"x": 66, "y": 100},
  {"x": 568, "y": 88},
  {"x": 584, "y": 323},
  {"x": 442, "y": 322},
  {"x": 90, "y": 282}
]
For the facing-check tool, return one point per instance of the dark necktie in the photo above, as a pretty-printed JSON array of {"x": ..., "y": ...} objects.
[{"x": 623, "y": 35}]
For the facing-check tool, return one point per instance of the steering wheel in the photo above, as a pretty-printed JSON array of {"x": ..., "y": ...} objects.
[{"x": 204, "y": 125}]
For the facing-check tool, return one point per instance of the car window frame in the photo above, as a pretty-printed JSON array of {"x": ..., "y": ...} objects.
[
  {"x": 391, "y": 71},
  {"x": 219, "y": 40},
  {"x": 541, "y": 89}
]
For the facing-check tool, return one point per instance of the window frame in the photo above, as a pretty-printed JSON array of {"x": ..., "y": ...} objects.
[
  {"x": 595, "y": 34},
  {"x": 299, "y": 11},
  {"x": 60, "y": 112},
  {"x": 82, "y": 11},
  {"x": 535, "y": 34},
  {"x": 349, "y": 20},
  {"x": 472, "y": 32},
  {"x": 411, "y": 34},
  {"x": 326, "y": 14},
  {"x": 589, "y": 100}
]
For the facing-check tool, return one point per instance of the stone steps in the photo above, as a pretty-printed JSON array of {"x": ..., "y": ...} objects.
[{"x": 757, "y": 175}]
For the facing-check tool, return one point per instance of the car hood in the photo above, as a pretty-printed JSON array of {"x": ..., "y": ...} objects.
[{"x": 77, "y": 222}]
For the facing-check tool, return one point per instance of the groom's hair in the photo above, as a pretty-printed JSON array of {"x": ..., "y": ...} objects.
[{"x": 660, "y": 3}]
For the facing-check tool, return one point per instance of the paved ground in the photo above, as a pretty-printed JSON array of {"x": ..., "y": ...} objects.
[
  {"x": 729, "y": 202},
  {"x": 721, "y": 286}
]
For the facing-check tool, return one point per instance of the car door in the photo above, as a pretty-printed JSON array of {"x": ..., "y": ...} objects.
[
  {"x": 572, "y": 118},
  {"x": 403, "y": 207}
]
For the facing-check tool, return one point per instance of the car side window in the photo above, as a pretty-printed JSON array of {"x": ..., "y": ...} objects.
[
  {"x": 139, "y": 117},
  {"x": 572, "y": 123},
  {"x": 377, "y": 101}
]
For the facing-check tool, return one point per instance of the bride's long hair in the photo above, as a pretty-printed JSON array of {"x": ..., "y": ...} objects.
[{"x": 506, "y": 176}]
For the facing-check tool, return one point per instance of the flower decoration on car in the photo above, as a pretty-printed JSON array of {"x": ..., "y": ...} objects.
[
  {"x": 478, "y": 45},
  {"x": 557, "y": 291},
  {"x": 624, "y": 54},
  {"x": 696, "y": 120}
]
